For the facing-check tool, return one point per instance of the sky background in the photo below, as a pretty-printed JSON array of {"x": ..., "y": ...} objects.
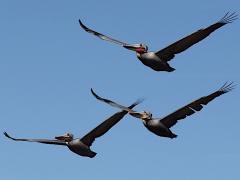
[{"x": 48, "y": 65}]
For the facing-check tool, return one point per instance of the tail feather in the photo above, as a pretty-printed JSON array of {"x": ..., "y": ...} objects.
[
  {"x": 171, "y": 69},
  {"x": 173, "y": 136},
  {"x": 93, "y": 154}
]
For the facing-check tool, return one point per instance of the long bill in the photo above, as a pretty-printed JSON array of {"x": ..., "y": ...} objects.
[{"x": 135, "y": 47}]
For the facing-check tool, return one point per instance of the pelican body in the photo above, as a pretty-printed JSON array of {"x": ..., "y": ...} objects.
[
  {"x": 161, "y": 126},
  {"x": 151, "y": 60},
  {"x": 78, "y": 147},
  {"x": 81, "y": 146},
  {"x": 155, "y": 126},
  {"x": 158, "y": 61}
]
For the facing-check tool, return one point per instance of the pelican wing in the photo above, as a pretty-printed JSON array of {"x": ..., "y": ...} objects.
[
  {"x": 101, "y": 36},
  {"x": 111, "y": 103},
  {"x": 171, "y": 119},
  {"x": 169, "y": 52},
  {"x": 105, "y": 126},
  {"x": 45, "y": 141}
]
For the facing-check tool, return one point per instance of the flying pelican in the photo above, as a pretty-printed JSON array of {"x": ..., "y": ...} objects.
[
  {"x": 158, "y": 61},
  {"x": 161, "y": 126},
  {"x": 81, "y": 146}
]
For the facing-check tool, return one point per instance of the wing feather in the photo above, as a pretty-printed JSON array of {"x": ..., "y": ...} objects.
[
  {"x": 101, "y": 36},
  {"x": 171, "y": 119},
  {"x": 45, "y": 141},
  {"x": 105, "y": 126},
  {"x": 114, "y": 104},
  {"x": 169, "y": 52}
]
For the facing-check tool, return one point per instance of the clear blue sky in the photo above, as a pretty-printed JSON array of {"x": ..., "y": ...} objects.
[{"x": 48, "y": 65}]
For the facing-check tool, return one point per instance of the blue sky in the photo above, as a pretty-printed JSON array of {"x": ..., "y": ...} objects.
[{"x": 48, "y": 65}]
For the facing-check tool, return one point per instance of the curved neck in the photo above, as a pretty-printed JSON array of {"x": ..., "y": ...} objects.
[
  {"x": 139, "y": 55},
  {"x": 145, "y": 122}
]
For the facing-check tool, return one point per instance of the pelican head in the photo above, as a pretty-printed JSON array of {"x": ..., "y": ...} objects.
[
  {"x": 139, "y": 48},
  {"x": 146, "y": 115},
  {"x": 67, "y": 137}
]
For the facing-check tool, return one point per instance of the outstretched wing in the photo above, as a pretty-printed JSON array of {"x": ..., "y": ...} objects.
[
  {"x": 105, "y": 126},
  {"x": 101, "y": 36},
  {"x": 45, "y": 141},
  {"x": 194, "y": 106},
  {"x": 111, "y": 103},
  {"x": 169, "y": 52},
  {"x": 130, "y": 111}
]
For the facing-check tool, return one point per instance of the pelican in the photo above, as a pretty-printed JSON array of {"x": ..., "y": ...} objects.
[
  {"x": 158, "y": 61},
  {"x": 161, "y": 126},
  {"x": 81, "y": 146}
]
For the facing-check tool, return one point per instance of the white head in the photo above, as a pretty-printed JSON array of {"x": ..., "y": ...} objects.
[{"x": 146, "y": 115}]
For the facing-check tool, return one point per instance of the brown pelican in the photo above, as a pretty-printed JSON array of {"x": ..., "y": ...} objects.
[
  {"x": 158, "y": 61},
  {"x": 161, "y": 126},
  {"x": 81, "y": 146}
]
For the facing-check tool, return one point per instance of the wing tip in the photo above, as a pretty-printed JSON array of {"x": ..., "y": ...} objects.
[
  {"x": 229, "y": 18},
  {"x": 138, "y": 101},
  {"x": 7, "y": 135},
  {"x": 227, "y": 86},
  {"x": 82, "y": 25},
  {"x": 94, "y": 94}
]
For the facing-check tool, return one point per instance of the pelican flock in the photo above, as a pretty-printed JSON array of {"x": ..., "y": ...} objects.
[{"x": 158, "y": 61}]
